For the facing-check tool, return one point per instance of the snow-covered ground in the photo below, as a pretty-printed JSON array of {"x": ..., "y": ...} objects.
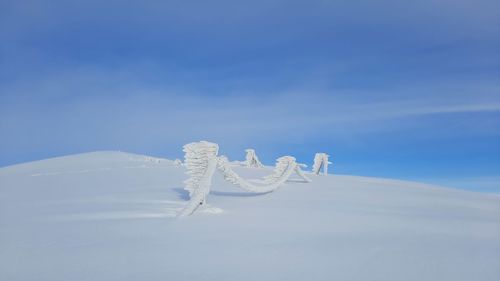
[{"x": 111, "y": 216}]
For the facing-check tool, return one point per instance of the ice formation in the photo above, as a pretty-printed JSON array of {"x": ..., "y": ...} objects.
[
  {"x": 321, "y": 161},
  {"x": 201, "y": 161},
  {"x": 252, "y": 160},
  {"x": 285, "y": 167},
  {"x": 300, "y": 173}
]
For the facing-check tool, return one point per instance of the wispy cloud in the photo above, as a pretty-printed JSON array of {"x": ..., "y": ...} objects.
[{"x": 116, "y": 109}]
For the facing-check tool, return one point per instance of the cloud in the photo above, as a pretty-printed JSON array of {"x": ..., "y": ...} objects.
[{"x": 101, "y": 107}]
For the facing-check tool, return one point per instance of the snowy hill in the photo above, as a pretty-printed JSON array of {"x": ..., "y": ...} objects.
[{"x": 111, "y": 216}]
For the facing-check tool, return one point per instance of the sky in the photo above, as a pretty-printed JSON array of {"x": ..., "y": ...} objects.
[{"x": 396, "y": 89}]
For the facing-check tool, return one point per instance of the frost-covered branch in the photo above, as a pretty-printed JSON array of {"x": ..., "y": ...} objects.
[
  {"x": 200, "y": 162},
  {"x": 285, "y": 166},
  {"x": 252, "y": 160},
  {"x": 321, "y": 161},
  {"x": 301, "y": 174}
]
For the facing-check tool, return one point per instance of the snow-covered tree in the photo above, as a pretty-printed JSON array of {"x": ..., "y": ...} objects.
[
  {"x": 300, "y": 173},
  {"x": 200, "y": 162},
  {"x": 285, "y": 166},
  {"x": 252, "y": 160},
  {"x": 321, "y": 161}
]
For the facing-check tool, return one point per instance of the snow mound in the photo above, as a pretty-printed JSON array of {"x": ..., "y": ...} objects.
[{"x": 111, "y": 216}]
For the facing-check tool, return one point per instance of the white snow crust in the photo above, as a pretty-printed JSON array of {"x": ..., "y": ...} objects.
[{"x": 112, "y": 216}]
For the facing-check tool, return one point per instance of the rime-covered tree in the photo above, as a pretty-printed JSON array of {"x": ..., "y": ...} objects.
[
  {"x": 321, "y": 161},
  {"x": 252, "y": 160}
]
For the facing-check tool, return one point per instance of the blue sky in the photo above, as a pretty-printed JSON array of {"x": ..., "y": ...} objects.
[{"x": 399, "y": 89}]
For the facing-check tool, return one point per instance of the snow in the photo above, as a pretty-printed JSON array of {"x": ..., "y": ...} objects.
[
  {"x": 321, "y": 161},
  {"x": 111, "y": 216},
  {"x": 285, "y": 167},
  {"x": 251, "y": 159},
  {"x": 201, "y": 162}
]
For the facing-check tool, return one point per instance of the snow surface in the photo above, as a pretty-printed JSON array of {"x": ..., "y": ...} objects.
[{"x": 111, "y": 216}]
